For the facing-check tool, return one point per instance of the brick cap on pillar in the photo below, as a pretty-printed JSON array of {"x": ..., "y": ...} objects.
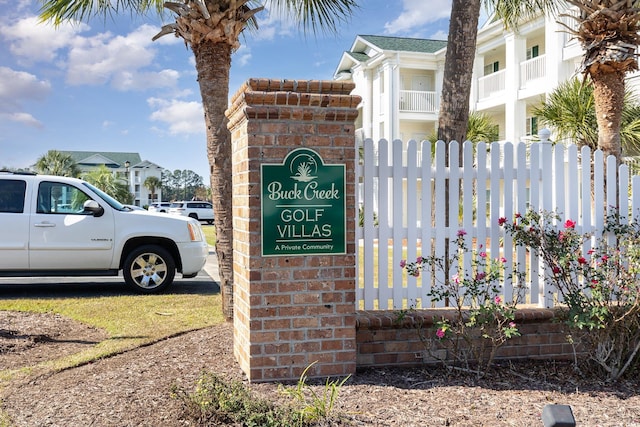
[{"x": 258, "y": 97}]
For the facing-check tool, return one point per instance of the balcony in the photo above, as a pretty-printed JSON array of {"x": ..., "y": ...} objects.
[
  {"x": 532, "y": 69},
  {"x": 419, "y": 101},
  {"x": 491, "y": 84}
]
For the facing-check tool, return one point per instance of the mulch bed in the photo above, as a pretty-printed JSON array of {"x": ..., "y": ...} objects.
[{"x": 134, "y": 388}]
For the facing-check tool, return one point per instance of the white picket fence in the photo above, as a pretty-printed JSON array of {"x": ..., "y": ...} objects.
[{"x": 403, "y": 217}]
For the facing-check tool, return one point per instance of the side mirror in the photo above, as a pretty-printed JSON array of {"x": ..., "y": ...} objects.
[{"x": 93, "y": 207}]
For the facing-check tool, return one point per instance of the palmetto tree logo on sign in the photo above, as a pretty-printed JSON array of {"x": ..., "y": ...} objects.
[{"x": 304, "y": 168}]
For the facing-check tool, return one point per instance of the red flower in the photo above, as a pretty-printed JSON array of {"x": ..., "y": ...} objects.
[
  {"x": 582, "y": 260},
  {"x": 502, "y": 220},
  {"x": 569, "y": 224}
]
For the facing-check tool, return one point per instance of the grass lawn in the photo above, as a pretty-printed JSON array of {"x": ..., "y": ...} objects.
[{"x": 130, "y": 320}]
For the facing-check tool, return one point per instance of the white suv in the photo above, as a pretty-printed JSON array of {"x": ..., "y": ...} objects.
[
  {"x": 202, "y": 211},
  {"x": 58, "y": 226},
  {"x": 159, "y": 207}
]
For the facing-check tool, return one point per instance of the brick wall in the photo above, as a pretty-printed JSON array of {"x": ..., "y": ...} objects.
[
  {"x": 383, "y": 339},
  {"x": 291, "y": 311}
]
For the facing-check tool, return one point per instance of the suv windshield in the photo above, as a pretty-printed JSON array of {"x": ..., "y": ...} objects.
[{"x": 107, "y": 198}]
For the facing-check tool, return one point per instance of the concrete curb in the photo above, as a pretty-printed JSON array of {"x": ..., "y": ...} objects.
[{"x": 211, "y": 266}]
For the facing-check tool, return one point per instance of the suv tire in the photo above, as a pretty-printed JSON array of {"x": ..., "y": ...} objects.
[{"x": 149, "y": 269}]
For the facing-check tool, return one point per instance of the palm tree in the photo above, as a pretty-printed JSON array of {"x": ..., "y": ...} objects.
[
  {"x": 570, "y": 110},
  {"x": 151, "y": 183},
  {"x": 608, "y": 33},
  {"x": 212, "y": 29},
  {"x": 57, "y": 163},
  {"x": 105, "y": 180}
]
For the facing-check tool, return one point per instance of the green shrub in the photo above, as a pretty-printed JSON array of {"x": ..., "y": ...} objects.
[{"x": 597, "y": 278}]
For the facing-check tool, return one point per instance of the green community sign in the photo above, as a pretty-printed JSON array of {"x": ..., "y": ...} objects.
[{"x": 303, "y": 206}]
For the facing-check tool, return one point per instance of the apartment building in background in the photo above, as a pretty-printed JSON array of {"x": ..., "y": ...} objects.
[
  {"x": 400, "y": 79},
  {"x": 128, "y": 166}
]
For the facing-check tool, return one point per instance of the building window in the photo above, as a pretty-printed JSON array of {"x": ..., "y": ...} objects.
[
  {"x": 491, "y": 68},
  {"x": 532, "y": 52},
  {"x": 532, "y": 125}
]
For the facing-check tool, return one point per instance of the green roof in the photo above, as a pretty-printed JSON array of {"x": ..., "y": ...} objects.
[
  {"x": 117, "y": 158},
  {"x": 405, "y": 44},
  {"x": 358, "y": 56}
]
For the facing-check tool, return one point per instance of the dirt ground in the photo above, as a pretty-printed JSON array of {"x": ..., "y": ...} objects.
[{"x": 133, "y": 388}]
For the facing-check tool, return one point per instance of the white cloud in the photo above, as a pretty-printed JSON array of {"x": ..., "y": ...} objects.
[
  {"x": 17, "y": 87},
  {"x": 25, "y": 119},
  {"x": 439, "y": 35},
  {"x": 272, "y": 24},
  {"x": 119, "y": 60},
  {"x": 242, "y": 56},
  {"x": 416, "y": 14},
  {"x": 124, "y": 61},
  {"x": 144, "y": 80},
  {"x": 181, "y": 117},
  {"x": 32, "y": 41}
]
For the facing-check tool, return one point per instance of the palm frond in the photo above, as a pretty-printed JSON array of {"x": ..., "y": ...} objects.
[{"x": 315, "y": 15}]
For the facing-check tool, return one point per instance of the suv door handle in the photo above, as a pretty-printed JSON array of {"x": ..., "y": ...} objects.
[{"x": 44, "y": 224}]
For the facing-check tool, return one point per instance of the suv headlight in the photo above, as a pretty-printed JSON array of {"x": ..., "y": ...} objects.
[{"x": 195, "y": 232}]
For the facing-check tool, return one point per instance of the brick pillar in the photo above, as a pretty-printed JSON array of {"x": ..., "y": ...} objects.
[{"x": 291, "y": 311}]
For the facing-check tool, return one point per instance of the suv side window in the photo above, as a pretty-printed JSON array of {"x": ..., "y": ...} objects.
[
  {"x": 59, "y": 198},
  {"x": 12, "y": 195}
]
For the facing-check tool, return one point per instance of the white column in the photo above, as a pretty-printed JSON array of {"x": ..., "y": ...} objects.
[{"x": 515, "y": 110}]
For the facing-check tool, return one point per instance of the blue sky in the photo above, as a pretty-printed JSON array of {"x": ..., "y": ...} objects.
[{"x": 105, "y": 86}]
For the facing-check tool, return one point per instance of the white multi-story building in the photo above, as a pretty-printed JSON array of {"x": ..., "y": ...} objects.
[
  {"x": 128, "y": 166},
  {"x": 400, "y": 79}
]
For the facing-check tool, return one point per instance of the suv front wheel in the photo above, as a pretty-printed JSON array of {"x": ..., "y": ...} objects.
[{"x": 149, "y": 269}]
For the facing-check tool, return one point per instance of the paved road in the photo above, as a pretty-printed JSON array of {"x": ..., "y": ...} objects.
[{"x": 206, "y": 282}]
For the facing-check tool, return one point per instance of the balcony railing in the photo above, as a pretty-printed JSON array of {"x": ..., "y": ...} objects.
[
  {"x": 532, "y": 69},
  {"x": 491, "y": 84},
  {"x": 419, "y": 101}
]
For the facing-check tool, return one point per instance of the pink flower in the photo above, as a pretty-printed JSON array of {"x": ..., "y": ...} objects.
[
  {"x": 419, "y": 260},
  {"x": 605, "y": 258},
  {"x": 512, "y": 324},
  {"x": 482, "y": 254},
  {"x": 481, "y": 275},
  {"x": 440, "y": 333},
  {"x": 503, "y": 260},
  {"x": 417, "y": 273},
  {"x": 569, "y": 224},
  {"x": 502, "y": 220},
  {"x": 455, "y": 278},
  {"x": 461, "y": 233},
  {"x": 497, "y": 299},
  {"x": 403, "y": 263},
  {"x": 561, "y": 236}
]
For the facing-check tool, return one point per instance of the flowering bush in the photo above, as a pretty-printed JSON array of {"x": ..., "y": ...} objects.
[
  {"x": 597, "y": 279},
  {"x": 482, "y": 319}
]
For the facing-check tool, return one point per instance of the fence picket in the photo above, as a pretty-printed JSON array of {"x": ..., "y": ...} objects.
[
  {"x": 384, "y": 287},
  {"x": 403, "y": 188}
]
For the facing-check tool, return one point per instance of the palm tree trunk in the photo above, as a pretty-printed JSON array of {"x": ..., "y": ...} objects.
[
  {"x": 458, "y": 70},
  {"x": 608, "y": 92},
  {"x": 456, "y": 87},
  {"x": 213, "y": 61}
]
